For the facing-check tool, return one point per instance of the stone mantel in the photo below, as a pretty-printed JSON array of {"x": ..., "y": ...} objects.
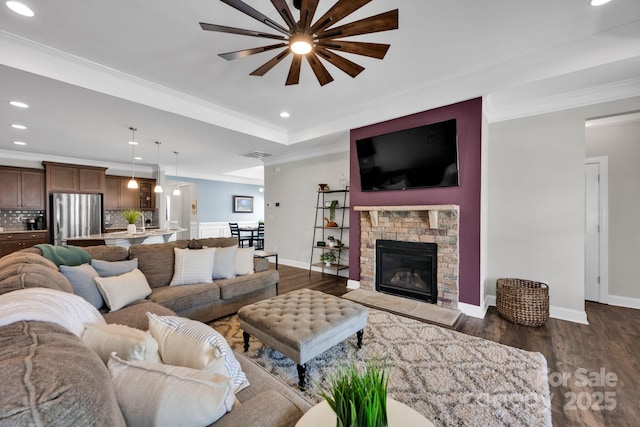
[{"x": 433, "y": 211}]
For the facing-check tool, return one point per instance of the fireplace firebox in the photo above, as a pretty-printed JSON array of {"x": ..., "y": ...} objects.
[{"x": 407, "y": 269}]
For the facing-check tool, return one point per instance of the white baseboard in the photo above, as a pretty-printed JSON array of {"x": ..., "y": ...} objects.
[
  {"x": 576, "y": 316},
  {"x": 623, "y": 301},
  {"x": 473, "y": 310},
  {"x": 353, "y": 284}
]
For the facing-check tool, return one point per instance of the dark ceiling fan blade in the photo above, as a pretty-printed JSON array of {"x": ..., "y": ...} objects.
[
  {"x": 248, "y": 52},
  {"x": 319, "y": 69},
  {"x": 261, "y": 71},
  {"x": 373, "y": 50},
  {"x": 248, "y": 10},
  {"x": 338, "y": 11},
  {"x": 307, "y": 10},
  {"x": 344, "y": 64},
  {"x": 242, "y": 32},
  {"x": 284, "y": 11},
  {"x": 294, "y": 71},
  {"x": 382, "y": 22}
]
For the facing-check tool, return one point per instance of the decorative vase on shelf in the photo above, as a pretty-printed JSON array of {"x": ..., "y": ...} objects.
[{"x": 131, "y": 228}]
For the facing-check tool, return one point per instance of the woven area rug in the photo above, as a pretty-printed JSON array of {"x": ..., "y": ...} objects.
[{"x": 451, "y": 378}]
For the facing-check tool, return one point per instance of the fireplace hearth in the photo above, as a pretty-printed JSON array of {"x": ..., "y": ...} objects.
[{"x": 407, "y": 269}]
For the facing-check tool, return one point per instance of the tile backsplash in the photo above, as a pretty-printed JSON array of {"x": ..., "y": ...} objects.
[
  {"x": 16, "y": 219},
  {"x": 114, "y": 219}
]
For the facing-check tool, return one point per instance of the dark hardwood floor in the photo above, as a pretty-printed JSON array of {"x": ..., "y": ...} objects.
[{"x": 594, "y": 370}]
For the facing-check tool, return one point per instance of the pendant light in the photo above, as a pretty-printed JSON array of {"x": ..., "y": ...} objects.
[
  {"x": 132, "y": 182},
  {"x": 158, "y": 187},
  {"x": 176, "y": 192}
]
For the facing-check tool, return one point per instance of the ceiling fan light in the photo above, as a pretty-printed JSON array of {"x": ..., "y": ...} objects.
[
  {"x": 301, "y": 44},
  {"x": 598, "y": 2}
]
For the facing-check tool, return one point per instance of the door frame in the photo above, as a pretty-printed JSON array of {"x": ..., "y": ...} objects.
[{"x": 603, "y": 165}]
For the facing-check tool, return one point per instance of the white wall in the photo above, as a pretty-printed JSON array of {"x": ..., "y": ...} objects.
[
  {"x": 621, "y": 144},
  {"x": 536, "y": 202},
  {"x": 289, "y": 227}
]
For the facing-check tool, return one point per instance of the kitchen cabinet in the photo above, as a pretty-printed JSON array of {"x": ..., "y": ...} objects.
[
  {"x": 21, "y": 188},
  {"x": 118, "y": 196},
  {"x": 67, "y": 178},
  {"x": 11, "y": 242}
]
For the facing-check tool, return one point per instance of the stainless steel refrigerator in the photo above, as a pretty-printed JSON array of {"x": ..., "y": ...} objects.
[{"x": 74, "y": 215}]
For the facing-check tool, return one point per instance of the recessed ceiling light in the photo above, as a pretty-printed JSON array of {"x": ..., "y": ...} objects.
[
  {"x": 138, "y": 158},
  {"x": 19, "y": 104},
  {"x": 598, "y": 2},
  {"x": 284, "y": 115},
  {"x": 133, "y": 143},
  {"x": 21, "y": 127},
  {"x": 20, "y": 8},
  {"x": 19, "y": 143}
]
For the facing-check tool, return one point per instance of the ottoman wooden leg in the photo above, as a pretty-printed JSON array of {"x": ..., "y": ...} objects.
[
  {"x": 360, "y": 334},
  {"x": 302, "y": 374},
  {"x": 245, "y": 336}
]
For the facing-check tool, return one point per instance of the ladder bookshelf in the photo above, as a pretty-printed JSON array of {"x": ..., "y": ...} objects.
[{"x": 324, "y": 234}]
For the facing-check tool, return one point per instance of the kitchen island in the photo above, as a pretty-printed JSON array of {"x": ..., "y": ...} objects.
[{"x": 125, "y": 239}]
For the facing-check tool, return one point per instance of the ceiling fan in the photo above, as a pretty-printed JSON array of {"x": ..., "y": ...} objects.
[{"x": 312, "y": 40}]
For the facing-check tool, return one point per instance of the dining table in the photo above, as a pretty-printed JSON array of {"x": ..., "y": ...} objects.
[{"x": 250, "y": 231}]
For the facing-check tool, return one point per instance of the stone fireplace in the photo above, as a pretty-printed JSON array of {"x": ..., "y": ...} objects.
[{"x": 436, "y": 224}]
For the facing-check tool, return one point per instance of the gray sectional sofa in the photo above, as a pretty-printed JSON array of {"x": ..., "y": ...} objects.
[{"x": 48, "y": 376}]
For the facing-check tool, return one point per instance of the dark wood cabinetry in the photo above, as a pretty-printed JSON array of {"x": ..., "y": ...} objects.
[
  {"x": 21, "y": 188},
  {"x": 118, "y": 196},
  {"x": 11, "y": 242},
  {"x": 74, "y": 178}
]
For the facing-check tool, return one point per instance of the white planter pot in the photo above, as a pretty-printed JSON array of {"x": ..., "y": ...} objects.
[
  {"x": 131, "y": 228},
  {"x": 327, "y": 263}
]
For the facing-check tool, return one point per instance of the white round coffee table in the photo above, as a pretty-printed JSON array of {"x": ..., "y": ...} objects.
[{"x": 400, "y": 415}]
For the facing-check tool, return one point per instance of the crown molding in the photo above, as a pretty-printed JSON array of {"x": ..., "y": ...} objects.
[{"x": 37, "y": 58}]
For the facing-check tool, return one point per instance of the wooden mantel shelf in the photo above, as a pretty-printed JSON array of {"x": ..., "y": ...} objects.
[{"x": 433, "y": 211}]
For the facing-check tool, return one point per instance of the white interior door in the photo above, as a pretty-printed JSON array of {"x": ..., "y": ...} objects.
[{"x": 592, "y": 273}]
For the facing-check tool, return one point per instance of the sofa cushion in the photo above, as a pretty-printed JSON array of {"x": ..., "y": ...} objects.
[
  {"x": 179, "y": 298},
  {"x": 152, "y": 394},
  {"x": 213, "y": 242},
  {"x": 50, "y": 378},
  {"x": 269, "y": 408},
  {"x": 192, "y": 266},
  {"x": 135, "y": 314},
  {"x": 128, "y": 343},
  {"x": 242, "y": 285},
  {"x": 189, "y": 336},
  {"x": 113, "y": 268},
  {"x": 118, "y": 291},
  {"x": 156, "y": 261},
  {"x": 16, "y": 276},
  {"x": 108, "y": 252},
  {"x": 81, "y": 279},
  {"x": 23, "y": 257}
]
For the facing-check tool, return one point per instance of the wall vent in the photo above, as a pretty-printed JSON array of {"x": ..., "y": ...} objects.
[{"x": 256, "y": 154}]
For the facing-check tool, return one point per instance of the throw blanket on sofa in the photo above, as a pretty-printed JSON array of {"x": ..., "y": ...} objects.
[
  {"x": 48, "y": 305},
  {"x": 64, "y": 255}
]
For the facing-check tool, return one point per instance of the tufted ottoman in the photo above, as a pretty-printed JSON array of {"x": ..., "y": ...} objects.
[{"x": 302, "y": 324}]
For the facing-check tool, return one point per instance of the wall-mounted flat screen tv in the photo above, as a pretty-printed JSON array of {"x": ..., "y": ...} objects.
[{"x": 424, "y": 156}]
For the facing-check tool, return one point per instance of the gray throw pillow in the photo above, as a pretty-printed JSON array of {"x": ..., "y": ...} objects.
[
  {"x": 114, "y": 268},
  {"x": 81, "y": 279},
  {"x": 224, "y": 263}
]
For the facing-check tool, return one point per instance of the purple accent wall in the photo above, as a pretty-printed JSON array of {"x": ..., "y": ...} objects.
[{"x": 466, "y": 195}]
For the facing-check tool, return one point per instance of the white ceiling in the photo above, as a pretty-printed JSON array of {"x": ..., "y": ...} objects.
[{"x": 91, "y": 69}]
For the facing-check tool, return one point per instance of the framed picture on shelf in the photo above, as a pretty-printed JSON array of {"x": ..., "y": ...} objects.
[{"x": 243, "y": 204}]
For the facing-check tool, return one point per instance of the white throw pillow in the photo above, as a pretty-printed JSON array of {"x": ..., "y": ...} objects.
[
  {"x": 192, "y": 266},
  {"x": 224, "y": 264},
  {"x": 118, "y": 291},
  {"x": 244, "y": 261},
  {"x": 152, "y": 394},
  {"x": 193, "y": 344},
  {"x": 128, "y": 343}
]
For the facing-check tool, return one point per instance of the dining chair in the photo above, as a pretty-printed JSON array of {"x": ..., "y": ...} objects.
[
  {"x": 259, "y": 239},
  {"x": 235, "y": 232}
]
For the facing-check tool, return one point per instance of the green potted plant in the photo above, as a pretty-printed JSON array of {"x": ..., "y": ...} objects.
[
  {"x": 359, "y": 397},
  {"x": 333, "y": 242},
  {"x": 328, "y": 257},
  {"x": 132, "y": 216},
  {"x": 332, "y": 210}
]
